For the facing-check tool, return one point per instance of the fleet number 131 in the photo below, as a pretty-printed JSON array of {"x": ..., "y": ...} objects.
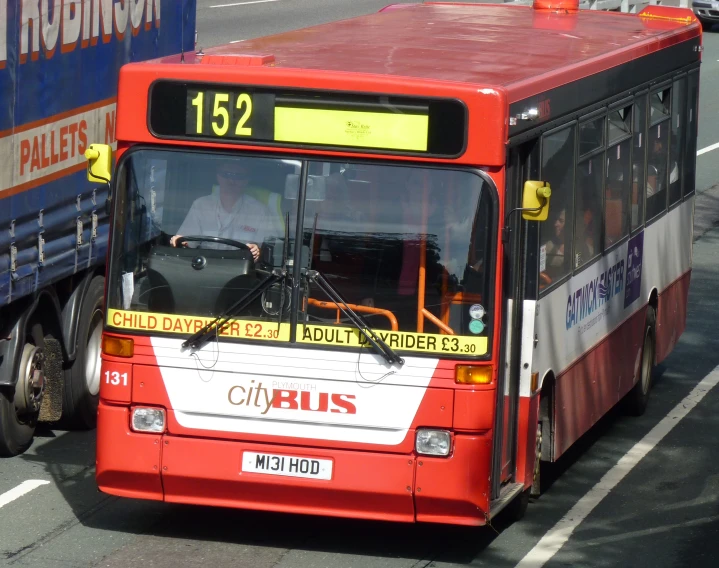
[{"x": 115, "y": 378}]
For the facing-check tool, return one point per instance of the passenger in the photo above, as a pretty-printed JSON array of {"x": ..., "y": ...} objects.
[
  {"x": 235, "y": 211},
  {"x": 590, "y": 230},
  {"x": 615, "y": 219},
  {"x": 586, "y": 245},
  {"x": 554, "y": 247},
  {"x": 588, "y": 212},
  {"x": 657, "y": 168}
]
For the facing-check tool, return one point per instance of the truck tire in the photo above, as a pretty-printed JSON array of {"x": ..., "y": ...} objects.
[
  {"x": 17, "y": 425},
  {"x": 637, "y": 398},
  {"x": 15, "y": 435},
  {"x": 81, "y": 391}
]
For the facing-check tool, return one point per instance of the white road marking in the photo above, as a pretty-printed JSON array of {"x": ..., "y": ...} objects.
[
  {"x": 708, "y": 149},
  {"x": 650, "y": 532},
  {"x": 242, "y": 3},
  {"x": 20, "y": 490},
  {"x": 559, "y": 534}
]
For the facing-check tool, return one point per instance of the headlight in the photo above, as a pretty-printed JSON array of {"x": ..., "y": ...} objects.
[
  {"x": 433, "y": 442},
  {"x": 148, "y": 419}
]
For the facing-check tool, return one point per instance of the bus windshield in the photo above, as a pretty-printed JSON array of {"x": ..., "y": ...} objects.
[{"x": 407, "y": 248}]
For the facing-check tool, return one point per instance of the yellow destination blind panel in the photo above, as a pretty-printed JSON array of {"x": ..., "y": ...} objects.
[
  {"x": 262, "y": 116},
  {"x": 351, "y": 128},
  {"x": 319, "y": 335},
  {"x": 446, "y": 345},
  {"x": 187, "y": 325}
]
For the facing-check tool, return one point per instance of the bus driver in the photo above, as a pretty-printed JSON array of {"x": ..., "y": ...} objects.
[{"x": 234, "y": 210}]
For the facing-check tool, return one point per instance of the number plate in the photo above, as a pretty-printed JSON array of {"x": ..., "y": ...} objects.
[{"x": 291, "y": 466}]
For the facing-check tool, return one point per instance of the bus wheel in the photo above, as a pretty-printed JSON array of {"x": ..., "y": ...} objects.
[
  {"x": 516, "y": 510},
  {"x": 82, "y": 378},
  {"x": 637, "y": 398},
  {"x": 20, "y": 407},
  {"x": 536, "y": 489}
]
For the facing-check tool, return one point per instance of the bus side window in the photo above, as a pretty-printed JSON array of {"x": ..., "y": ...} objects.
[
  {"x": 657, "y": 170},
  {"x": 618, "y": 182},
  {"x": 639, "y": 157},
  {"x": 658, "y": 154},
  {"x": 617, "y": 193},
  {"x": 588, "y": 190},
  {"x": 558, "y": 151},
  {"x": 690, "y": 114},
  {"x": 676, "y": 142},
  {"x": 587, "y": 229}
]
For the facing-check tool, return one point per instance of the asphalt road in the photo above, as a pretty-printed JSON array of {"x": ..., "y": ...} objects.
[
  {"x": 223, "y": 21},
  {"x": 663, "y": 513}
]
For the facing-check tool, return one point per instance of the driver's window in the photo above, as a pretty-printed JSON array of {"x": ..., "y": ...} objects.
[{"x": 194, "y": 229}]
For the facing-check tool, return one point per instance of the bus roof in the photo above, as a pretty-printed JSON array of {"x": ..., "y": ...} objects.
[
  {"x": 513, "y": 47},
  {"x": 514, "y": 68}
]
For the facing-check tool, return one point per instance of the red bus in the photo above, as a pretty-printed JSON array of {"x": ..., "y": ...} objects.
[{"x": 381, "y": 268}]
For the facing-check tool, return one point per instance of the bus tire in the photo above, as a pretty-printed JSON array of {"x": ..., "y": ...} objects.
[
  {"x": 516, "y": 510},
  {"x": 536, "y": 489},
  {"x": 17, "y": 427},
  {"x": 81, "y": 392},
  {"x": 637, "y": 398}
]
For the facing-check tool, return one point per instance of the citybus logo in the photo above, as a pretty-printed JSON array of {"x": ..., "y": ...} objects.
[{"x": 302, "y": 398}]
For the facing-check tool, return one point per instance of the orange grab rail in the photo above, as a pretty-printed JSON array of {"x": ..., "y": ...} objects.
[{"x": 361, "y": 309}]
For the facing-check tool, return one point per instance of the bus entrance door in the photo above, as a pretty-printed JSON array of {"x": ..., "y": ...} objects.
[{"x": 519, "y": 294}]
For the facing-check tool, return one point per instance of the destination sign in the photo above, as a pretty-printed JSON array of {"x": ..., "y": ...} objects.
[{"x": 251, "y": 115}]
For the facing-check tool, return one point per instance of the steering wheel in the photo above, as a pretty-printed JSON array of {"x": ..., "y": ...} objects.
[{"x": 237, "y": 244}]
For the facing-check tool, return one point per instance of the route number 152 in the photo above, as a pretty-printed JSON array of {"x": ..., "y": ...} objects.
[{"x": 222, "y": 113}]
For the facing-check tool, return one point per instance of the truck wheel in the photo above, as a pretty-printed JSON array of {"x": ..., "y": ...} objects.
[
  {"x": 637, "y": 398},
  {"x": 82, "y": 379},
  {"x": 20, "y": 407}
]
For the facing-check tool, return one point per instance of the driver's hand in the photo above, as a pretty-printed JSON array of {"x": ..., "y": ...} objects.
[
  {"x": 173, "y": 240},
  {"x": 255, "y": 250}
]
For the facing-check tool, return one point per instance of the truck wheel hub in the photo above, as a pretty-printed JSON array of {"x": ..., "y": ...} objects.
[{"x": 31, "y": 381}]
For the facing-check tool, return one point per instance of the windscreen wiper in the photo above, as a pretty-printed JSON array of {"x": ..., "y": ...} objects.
[
  {"x": 375, "y": 340},
  {"x": 206, "y": 333}
]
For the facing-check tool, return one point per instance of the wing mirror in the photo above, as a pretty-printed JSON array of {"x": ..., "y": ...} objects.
[
  {"x": 99, "y": 168},
  {"x": 535, "y": 200}
]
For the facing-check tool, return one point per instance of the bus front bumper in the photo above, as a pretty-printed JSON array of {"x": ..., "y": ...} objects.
[{"x": 363, "y": 485}]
